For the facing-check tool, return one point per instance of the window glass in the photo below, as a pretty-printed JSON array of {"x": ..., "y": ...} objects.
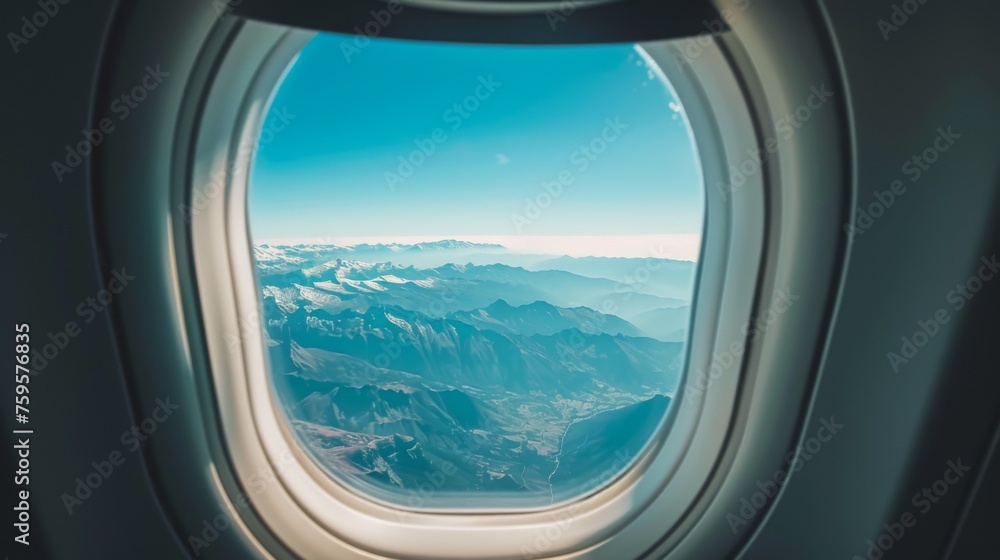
[{"x": 475, "y": 264}]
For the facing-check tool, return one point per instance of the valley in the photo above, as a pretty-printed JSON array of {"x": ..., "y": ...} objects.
[{"x": 513, "y": 381}]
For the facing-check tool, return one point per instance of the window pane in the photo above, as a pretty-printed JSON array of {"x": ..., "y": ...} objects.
[{"x": 476, "y": 264}]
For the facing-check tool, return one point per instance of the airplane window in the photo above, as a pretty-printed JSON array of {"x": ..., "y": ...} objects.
[{"x": 476, "y": 264}]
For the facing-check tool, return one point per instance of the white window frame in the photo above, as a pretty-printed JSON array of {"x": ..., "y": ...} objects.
[{"x": 317, "y": 517}]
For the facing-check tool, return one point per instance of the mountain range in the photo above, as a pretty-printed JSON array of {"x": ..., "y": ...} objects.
[{"x": 527, "y": 384}]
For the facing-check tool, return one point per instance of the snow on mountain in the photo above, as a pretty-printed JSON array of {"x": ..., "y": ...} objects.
[{"x": 393, "y": 359}]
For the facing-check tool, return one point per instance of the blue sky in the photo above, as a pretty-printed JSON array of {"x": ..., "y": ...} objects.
[{"x": 328, "y": 173}]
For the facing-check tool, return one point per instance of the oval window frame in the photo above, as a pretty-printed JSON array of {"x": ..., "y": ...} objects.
[{"x": 311, "y": 511}]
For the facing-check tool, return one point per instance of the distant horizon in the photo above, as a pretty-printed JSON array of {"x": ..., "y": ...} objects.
[
  {"x": 683, "y": 247},
  {"x": 492, "y": 141}
]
